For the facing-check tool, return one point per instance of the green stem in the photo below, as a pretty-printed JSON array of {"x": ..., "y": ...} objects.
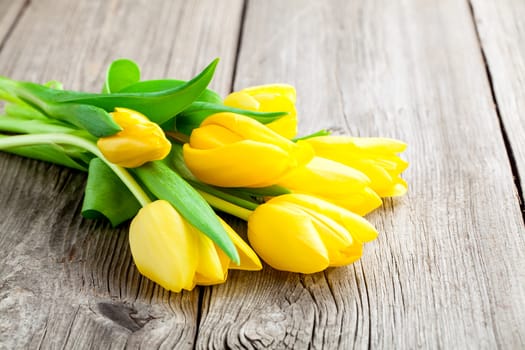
[
  {"x": 34, "y": 139},
  {"x": 178, "y": 137},
  {"x": 315, "y": 134},
  {"x": 33, "y": 126},
  {"x": 240, "y": 202},
  {"x": 225, "y": 206}
]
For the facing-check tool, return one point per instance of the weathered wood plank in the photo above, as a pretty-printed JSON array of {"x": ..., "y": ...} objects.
[
  {"x": 66, "y": 282},
  {"x": 9, "y": 12},
  {"x": 502, "y": 35},
  {"x": 448, "y": 268}
]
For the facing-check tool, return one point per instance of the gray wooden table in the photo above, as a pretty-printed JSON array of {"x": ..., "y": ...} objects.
[{"x": 448, "y": 269}]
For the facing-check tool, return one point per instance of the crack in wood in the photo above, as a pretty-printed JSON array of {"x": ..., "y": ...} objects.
[
  {"x": 200, "y": 300},
  {"x": 504, "y": 134},
  {"x": 239, "y": 44}
]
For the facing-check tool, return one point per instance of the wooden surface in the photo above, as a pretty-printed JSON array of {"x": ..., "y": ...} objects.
[
  {"x": 502, "y": 34},
  {"x": 448, "y": 270}
]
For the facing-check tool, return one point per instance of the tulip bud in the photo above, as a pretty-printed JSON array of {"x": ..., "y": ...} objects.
[
  {"x": 301, "y": 233},
  {"x": 140, "y": 140},
  {"x": 269, "y": 98},
  {"x": 231, "y": 150},
  {"x": 174, "y": 254},
  {"x": 375, "y": 157}
]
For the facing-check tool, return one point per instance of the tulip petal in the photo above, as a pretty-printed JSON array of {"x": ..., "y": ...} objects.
[
  {"x": 162, "y": 246},
  {"x": 233, "y": 165},
  {"x": 379, "y": 144},
  {"x": 140, "y": 140},
  {"x": 273, "y": 103},
  {"x": 212, "y": 136},
  {"x": 278, "y": 89},
  {"x": 380, "y": 179},
  {"x": 242, "y": 100},
  {"x": 345, "y": 144},
  {"x": 269, "y": 98},
  {"x": 359, "y": 228},
  {"x": 399, "y": 188},
  {"x": 325, "y": 177},
  {"x": 231, "y": 150},
  {"x": 286, "y": 239},
  {"x": 250, "y": 129},
  {"x": 285, "y": 126},
  {"x": 249, "y": 261},
  {"x": 211, "y": 269},
  {"x": 333, "y": 182},
  {"x": 339, "y": 244},
  {"x": 393, "y": 164},
  {"x": 374, "y": 156},
  {"x": 360, "y": 203}
]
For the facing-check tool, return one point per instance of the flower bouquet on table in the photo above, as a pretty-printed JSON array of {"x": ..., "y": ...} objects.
[{"x": 163, "y": 153}]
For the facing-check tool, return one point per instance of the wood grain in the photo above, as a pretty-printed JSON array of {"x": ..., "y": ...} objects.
[
  {"x": 9, "y": 12},
  {"x": 502, "y": 34},
  {"x": 448, "y": 268},
  {"x": 66, "y": 282}
]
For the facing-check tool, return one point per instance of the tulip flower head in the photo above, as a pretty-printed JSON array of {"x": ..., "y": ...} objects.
[
  {"x": 231, "y": 150},
  {"x": 172, "y": 253},
  {"x": 374, "y": 156},
  {"x": 139, "y": 142},
  {"x": 269, "y": 98},
  {"x": 335, "y": 183},
  {"x": 301, "y": 233}
]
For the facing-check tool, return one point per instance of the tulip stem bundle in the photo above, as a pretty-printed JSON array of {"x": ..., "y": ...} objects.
[
  {"x": 225, "y": 206},
  {"x": 36, "y": 139},
  {"x": 163, "y": 153}
]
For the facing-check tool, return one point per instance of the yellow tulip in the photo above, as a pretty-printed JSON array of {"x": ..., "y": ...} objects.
[
  {"x": 301, "y": 233},
  {"x": 140, "y": 140},
  {"x": 231, "y": 150},
  {"x": 174, "y": 254},
  {"x": 269, "y": 98},
  {"x": 335, "y": 183},
  {"x": 376, "y": 157}
]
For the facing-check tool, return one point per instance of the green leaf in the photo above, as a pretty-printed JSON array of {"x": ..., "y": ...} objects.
[
  {"x": 322, "y": 132},
  {"x": 175, "y": 160},
  {"x": 5, "y": 95},
  {"x": 54, "y": 84},
  {"x": 207, "y": 95},
  {"x": 166, "y": 184},
  {"x": 24, "y": 111},
  {"x": 95, "y": 120},
  {"x": 107, "y": 196},
  {"x": 195, "y": 114},
  {"x": 121, "y": 73},
  {"x": 255, "y": 196},
  {"x": 159, "y": 106},
  {"x": 270, "y": 191},
  {"x": 50, "y": 153}
]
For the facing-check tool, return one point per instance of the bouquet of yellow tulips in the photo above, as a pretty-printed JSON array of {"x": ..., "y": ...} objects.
[{"x": 167, "y": 153}]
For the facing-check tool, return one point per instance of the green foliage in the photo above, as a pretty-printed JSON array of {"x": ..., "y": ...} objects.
[
  {"x": 107, "y": 196},
  {"x": 195, "y": 114},
  {"x": 121, "y": 73},
  {"x": 89, "y": 110},
  {"x": 53, "y": 153}
]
